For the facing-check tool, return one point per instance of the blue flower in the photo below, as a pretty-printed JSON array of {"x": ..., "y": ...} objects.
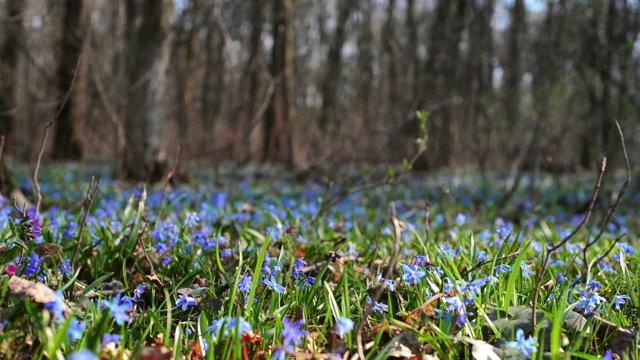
[
  {"x": 34, "y": 264},
  {"x": 83, "y": 355},
  {"x": 118, "y": 308},
  {"x": 298, "y": 265},
  {"x": 502, "y": 268},
  {"x": 192, "y": 220},
  {"x": 57, "y": 306},
  {"x": 225, "y": 324},
  {"x": 138, "y": 291},
  {"x": 594, "y": 285},
  {"x": 526, "y": 272},
  {"x": 378, "y": 307},
  {"x": 108, "y": 338},
  {"x": 344, "y": 326},
  {"x": 527, "y": 346},
  {"x": 412, "y": 274},
  {"x": 226, "y": 253},
  {"x": 65, "y": 267},
  {"x": 166, "y": 261},
  {"x": 292, "y": 334},
  {"x": 75, "y": 329},
  {"x": 185, "y": 301},
  {"x": 561, "y": 278},
  {"x": 589, "y": 302},
  {"x": 271, "y": 282},
  {"x": 620, "y": 300}
]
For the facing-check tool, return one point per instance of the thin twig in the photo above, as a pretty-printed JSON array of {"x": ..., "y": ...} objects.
[
  {"x": 37, "y": 169},
  {"x": 427, "y": 219},
  {"x": 166, "y": 183},
  {"x": 483, "y": 263},
  {"x": 606, "y": 253},
  {"x": 144, "y": 249},
  {"x": 388, "y": 275},
  {"x": 90, "y": 197},
  {"x": 387, "y": 180},
  {"x": 46, "y": 135},
  {"x": 619, "y": 196},
  {"x": 551, "y": 249}
]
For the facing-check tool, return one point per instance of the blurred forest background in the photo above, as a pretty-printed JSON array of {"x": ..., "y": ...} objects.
[{"x": 525, "y": 83}]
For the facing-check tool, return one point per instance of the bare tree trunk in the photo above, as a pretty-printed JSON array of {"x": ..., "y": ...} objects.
[
  {"x": 280, "y": 122},
  {"x": 255, "y": 128},
  {"x": 12, "y": 38},
  {"x": 513, "y": 68},
  {"x": 67, "y": 142},
  {"x": 446, "y": 32},
  {"x": 333, "y": 67},
  {"x": 148, "y": 52}
]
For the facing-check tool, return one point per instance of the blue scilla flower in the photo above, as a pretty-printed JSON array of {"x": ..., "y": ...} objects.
[
  {"x": 344, "y": 326},
  {"x": 185, "y": 301},
  {"x": 412, "y": 274},
  {"x": 527, "y": 346},
  {"x": 118, "y": 307}
]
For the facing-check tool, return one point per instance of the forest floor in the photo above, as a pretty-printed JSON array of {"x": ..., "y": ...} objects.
[{"x": 261, "y": 263}]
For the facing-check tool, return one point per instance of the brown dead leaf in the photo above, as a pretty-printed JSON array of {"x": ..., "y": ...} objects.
[
  {"x": 196, "y": 350},
  {"x": 34, "y": 291}
]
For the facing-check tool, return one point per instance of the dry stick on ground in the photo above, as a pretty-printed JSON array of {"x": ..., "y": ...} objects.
[
  {"x": 166, "y": 183},
  {"x": 388, "y": 275},
  {"x": 46, "y": 135},
  {"x": 612, "y": 209},
  {"x": 90, "y": 197},
  {"x": 551, "y": 249}
]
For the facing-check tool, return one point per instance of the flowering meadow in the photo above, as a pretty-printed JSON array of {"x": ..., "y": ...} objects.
[{"x": 256, "y": 264}]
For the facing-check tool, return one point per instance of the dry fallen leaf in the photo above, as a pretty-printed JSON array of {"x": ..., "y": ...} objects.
[{"x": 34, "y": 291}]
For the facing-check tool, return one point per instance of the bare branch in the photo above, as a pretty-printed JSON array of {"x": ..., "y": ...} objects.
[{"x": 89, "y": 198}]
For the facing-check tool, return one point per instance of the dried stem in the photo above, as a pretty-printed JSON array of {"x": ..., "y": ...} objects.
[
  {"x": 46, "y": 135},
  {"x": 483, "y": 263},
  {"x": 144, "y": 250},
  {"x": 38, "y": 162},
  {"x": 89, "y": 198},
  {"x": 613, "y": 207},
  {"x": 166, "y": 183},
  {"x": 551, "y": 249},
  {"x": 387, "y": 180},
  {"x": 388, "y": 275}
]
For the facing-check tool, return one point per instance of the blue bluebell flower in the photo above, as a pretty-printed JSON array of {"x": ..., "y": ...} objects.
[
  {"x": 76, "y": 329},
  {"x": 185, "y": 301},
  {"x": 83, "y": 355},
  {"x": 273, "y": 284},
  {"x": 57, "y": 306},
  {"x": 118, "y": 307},
  {"x": 412, "y": 274},
  {"x": 620, "y": 300},
  {"x": 378, "y": 307},
  {"x": 108, "y": 338},
  {"x": 66, "y": 268},
  {"x": 344, "y": 326},
  {"x": 527, "y": 346}
]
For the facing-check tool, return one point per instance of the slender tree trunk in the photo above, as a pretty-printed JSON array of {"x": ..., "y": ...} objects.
[
  {"x": 67, "y": 139},
  {"x": 12, "y": 38},
  {"x": 147, "y": 54},
  {"x": 255, "y": 99},
  {"x": 280, "y": 121},
  {"x": 333, "y": 67},
  {"x": 514, "y": 68}
]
